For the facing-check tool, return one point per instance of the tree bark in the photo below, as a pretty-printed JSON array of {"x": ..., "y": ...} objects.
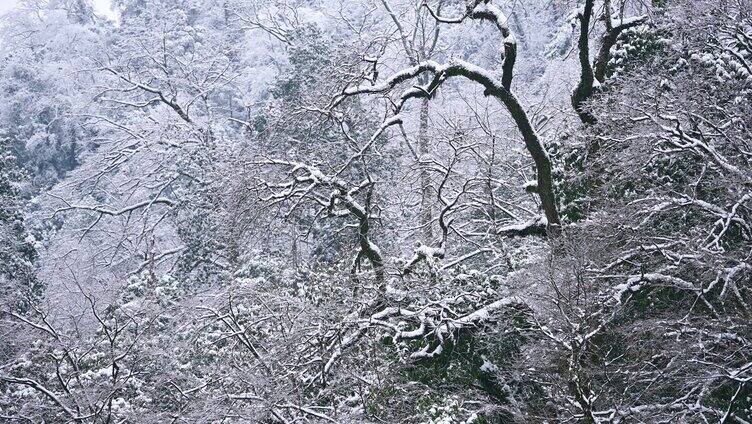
[
  {"x": 584, "y": 89},
  {"x": 425, "y": 179}
]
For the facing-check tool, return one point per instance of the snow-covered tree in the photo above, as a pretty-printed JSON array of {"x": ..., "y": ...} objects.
[{"x": 432, "y": 211}]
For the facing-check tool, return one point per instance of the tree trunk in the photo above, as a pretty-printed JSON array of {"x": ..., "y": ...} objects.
[
  {"x": 584, "y": 89},
  {"x": 425, "y": 178}
]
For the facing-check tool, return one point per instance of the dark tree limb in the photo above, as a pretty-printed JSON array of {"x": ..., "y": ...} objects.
[
  {"x": 593, "y": 75},
  {"x": 585, "y": 87}
]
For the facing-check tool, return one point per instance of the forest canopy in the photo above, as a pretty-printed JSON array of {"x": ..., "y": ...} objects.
[{"x": 376, "y": 211}]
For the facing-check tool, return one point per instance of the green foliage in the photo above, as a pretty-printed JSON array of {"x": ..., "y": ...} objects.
[
  {"x": 571, "y": 182},
  {"x": 635, "y": 46},
  {"x": 18, "y": 283}
]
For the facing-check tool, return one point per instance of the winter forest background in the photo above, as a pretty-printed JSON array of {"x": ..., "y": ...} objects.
[{"x": 376, "y": 211}]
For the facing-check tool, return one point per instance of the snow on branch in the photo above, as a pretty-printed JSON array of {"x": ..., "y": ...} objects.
[
  {"x": 342, "y": 195},
  {"x": 486, "y": 11},
  {"x": 75, "y": 417},
  {"x": 493, "y": 87},
  {"x": 171, "y": 102},
  {"x": 102, "y": 210},
  {"x": 436, "y": 322},
  {"x": 535, "y": 227}
]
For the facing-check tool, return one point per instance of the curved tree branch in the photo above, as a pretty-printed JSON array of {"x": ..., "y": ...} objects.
[{"x": 493, "y": 87}]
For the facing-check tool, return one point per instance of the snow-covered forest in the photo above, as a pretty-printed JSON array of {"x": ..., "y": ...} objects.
[{"x": 376, "y": 211}]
